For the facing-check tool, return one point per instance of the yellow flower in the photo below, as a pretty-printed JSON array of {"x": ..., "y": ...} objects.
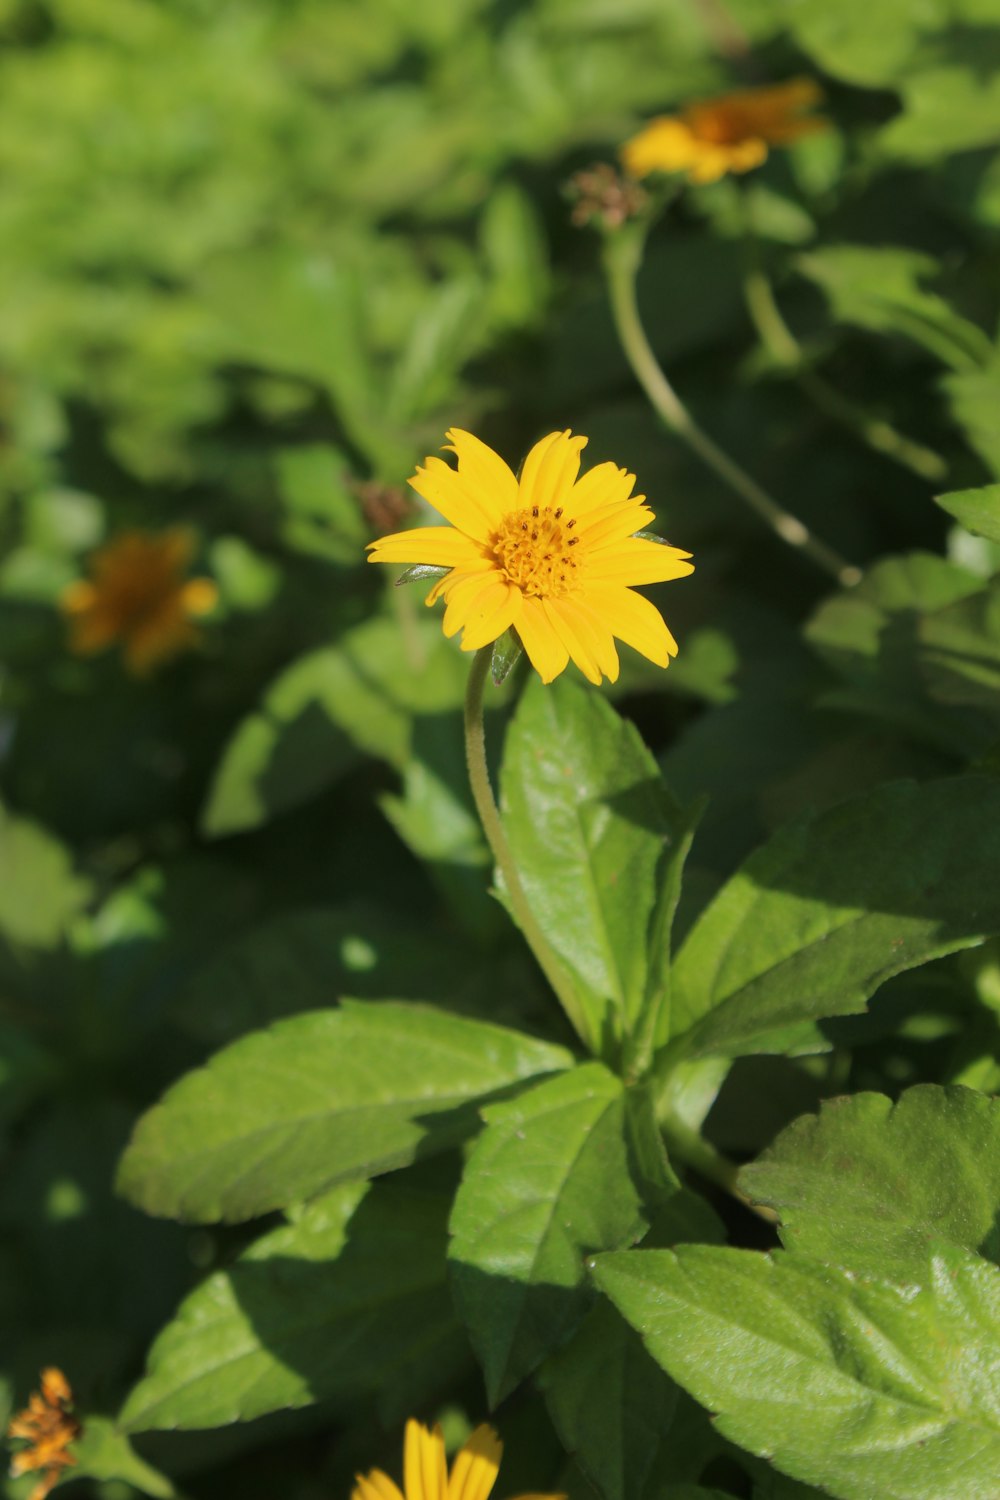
[
  {"x": 553, "y": 555},
  {"x": 47, "y": 1426},
  {"x": 425, "y": 1469},
  {"x": 730, "y": 134},
  {"x": 137, "y": 595}
]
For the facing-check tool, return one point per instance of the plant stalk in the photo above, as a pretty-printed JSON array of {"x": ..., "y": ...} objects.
[
  {"x": 622, "y": 257},
  {"x": 489, "y": 816},
  {"x": 686, "y": 1145}
]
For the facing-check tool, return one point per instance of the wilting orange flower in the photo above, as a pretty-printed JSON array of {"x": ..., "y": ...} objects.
[
  {"x": 425, "y": 1469},
  {"x": 47, "y": 1426},
  {"x": 729, "y": 134},
  {"x": 137, "y": 594},
  {"x": 555, "y": 556}
]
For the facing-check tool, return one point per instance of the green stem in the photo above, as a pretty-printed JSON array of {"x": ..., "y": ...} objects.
[
  {"x": 785, "y": 349},
  {"x": 686, "y": 1145},
  {"x": 489, "y": 816},
  {"x": 623, "y": 255}
]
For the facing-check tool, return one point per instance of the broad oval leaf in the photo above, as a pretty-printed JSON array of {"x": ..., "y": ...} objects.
[
  {"x": 833, "y": 906},
  {"x": 349, "y": 1299},
  {"x": 870, "y": 1184},
  {"x": 322, "y": 1098},
  {"x": 547, "y": 1183},
  {"x": 587, "y": 817},
  {"x": 873, "y": 1391},
  {"x": 977, "y": 510}
]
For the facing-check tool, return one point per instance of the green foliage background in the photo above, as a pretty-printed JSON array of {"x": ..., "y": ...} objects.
[{"x": 256, "y": 257}]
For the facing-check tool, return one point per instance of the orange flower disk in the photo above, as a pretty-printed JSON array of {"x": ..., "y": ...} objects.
[
  {"x": 554, "y": 555},
  {"x": 137, "y": 594},
  {"x": 729, "y": 134}
]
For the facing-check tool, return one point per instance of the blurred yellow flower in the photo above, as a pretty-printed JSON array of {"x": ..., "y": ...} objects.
[
  {"x": 729, "y": 134},
  {"x": 47, "y": 1426},
  {"x": 555, "y": 556},
  {"x": 425, "y": 1469},
  {"x": 137, "y": 594}
]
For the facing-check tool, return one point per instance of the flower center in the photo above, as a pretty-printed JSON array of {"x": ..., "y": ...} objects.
[{"x": 535, "y": 549}]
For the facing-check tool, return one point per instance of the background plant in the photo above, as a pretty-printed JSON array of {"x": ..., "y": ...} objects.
[{"x": 256, "y": 259}]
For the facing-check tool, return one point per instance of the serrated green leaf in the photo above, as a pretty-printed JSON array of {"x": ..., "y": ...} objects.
[
  {"x": 832, "y": 906},
  {"x": 976, "y": 510},
  {"x": 869, "y": 1184},
  {"x": 319, "y": 1099},
  {"x": 872, "y": 1391},
  {"x": 547, "y": 1182},
  {"x": 350, "y": 1299},
  {"x": 588, "y": 818}
]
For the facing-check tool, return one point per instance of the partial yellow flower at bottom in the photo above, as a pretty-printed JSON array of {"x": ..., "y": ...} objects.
[
  {"x": 729, "y": 134},
  {"x": 551, "y": 554},
  {"x": 425, "y": 1469},
  {"x": 137, "y": 595},
  {"x": 48, "y": 1427}
]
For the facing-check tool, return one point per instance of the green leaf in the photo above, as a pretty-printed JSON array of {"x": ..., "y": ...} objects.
[
  {"x": 870, "y": 1184},
  {"x": 878, "y": 288},
  {"x": 834, "y": 905},
  {"x": 40, "y": 893},
  {"x": 611, "y": 1404},
  {"x": 318, "y": 717},
  {"x": 588, "y": 818},
  {"x": 946, "y": 109},
  {"x": 872, "y": 1391},
  {"x": 324, "y": 517},
  {"x": 547, "y": 1182},
  {"x": 319, "y": 1099},
  {"x": 974, "y": 395},
  {"x": 104, "y": 1452},
  {"x": 350, "y": 1299},
  {"x": 976, "y": 510},
  {"x": 507, "y": 652},
  {"x": 870, "y": 637},
  {"x": 960, "y": 652},
  {"x": 515, "y": 251}
]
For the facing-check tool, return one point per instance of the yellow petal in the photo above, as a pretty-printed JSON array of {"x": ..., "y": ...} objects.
[
  {"x": 485, "y": 469},
  {"x": 463, "y": 599},
  {"x": 638, "y": 561},
  {"x": 375, "y": 1486},
  {"x": 425, "y": 1473},
  {"x": 489, "y": 623},
  {"x": 550, "y": 470},
  {"x": 589, "y": 628},
  {"x": 439, "y": 546},
  {"x": 543, "y": 646},
  {"x": 474, "y": 1472},
  {"x": 604, "y": 484},
  {"x": 665, "y": 145},
  {"x": 613, "y": 523},
  {"x": 576, "y": 645},
  {"x": 199, "y": 596},
  {"x": 635, "y": 621}
]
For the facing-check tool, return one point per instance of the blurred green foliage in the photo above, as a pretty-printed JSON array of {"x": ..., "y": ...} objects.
[{"x": 256, "y": 257}]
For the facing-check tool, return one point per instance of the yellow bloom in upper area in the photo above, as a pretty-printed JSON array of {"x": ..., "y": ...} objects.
[
  {"x": 729, "y": 134},
  {"x": 48, "y": 1427},
  {"x": 554, "y": 555},
  {"x": 137, "y": 594},
  {"x": 425, "y": 1469}
]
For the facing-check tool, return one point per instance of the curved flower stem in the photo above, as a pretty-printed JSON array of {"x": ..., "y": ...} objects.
[
  {"x": 489, "y": 816},
  {"x": 785, "y": 349},
  {"x": 622, "y": 257}
]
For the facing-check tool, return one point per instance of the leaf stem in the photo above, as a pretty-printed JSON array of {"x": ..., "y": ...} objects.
[
  {"x": 686, "y": 1145},
  {"x": 622, "y": 258},
  {"x": 489, "y": 816}
]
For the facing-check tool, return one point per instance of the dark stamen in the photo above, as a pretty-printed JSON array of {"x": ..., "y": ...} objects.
[
  {"x": 534, "y": 511},
  {"x": 571, "y": 524},
  {"x": 559, "y": 512},
  {"x": 572, "y": 541},
  {"x": 524, "y": 525}
]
